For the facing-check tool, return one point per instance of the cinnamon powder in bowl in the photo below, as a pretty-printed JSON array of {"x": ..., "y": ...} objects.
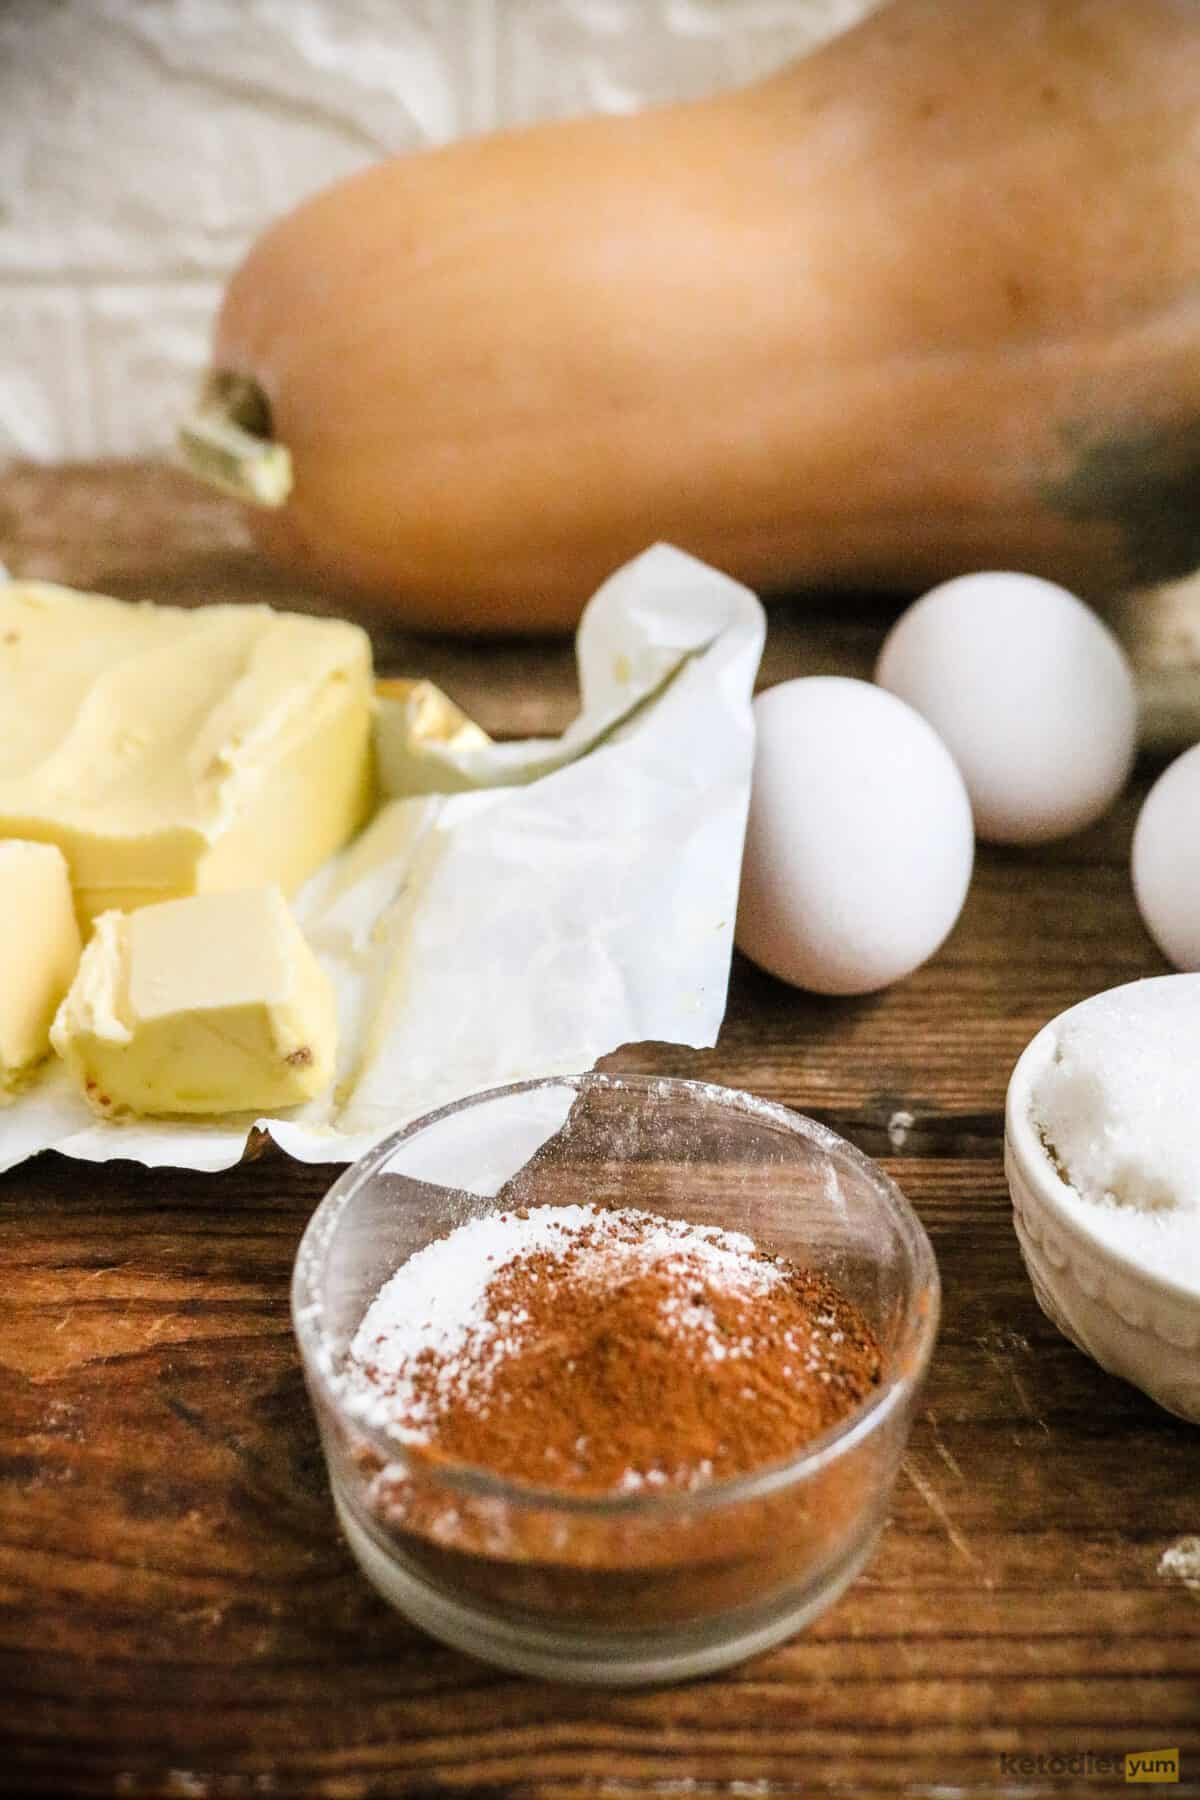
[{"x": 637, "y": 1415}]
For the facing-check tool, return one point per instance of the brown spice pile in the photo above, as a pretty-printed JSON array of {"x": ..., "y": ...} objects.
[{"x": 618, "y": 1351}]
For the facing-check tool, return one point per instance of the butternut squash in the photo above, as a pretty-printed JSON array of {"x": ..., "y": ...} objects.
[{"x": 927, "y": 300}]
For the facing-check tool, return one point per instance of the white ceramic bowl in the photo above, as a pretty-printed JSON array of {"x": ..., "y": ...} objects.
[{"x": 1134, "y": 1322}]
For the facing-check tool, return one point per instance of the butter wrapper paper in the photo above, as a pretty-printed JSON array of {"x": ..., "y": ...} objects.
[{"x": 513, "y": 910}]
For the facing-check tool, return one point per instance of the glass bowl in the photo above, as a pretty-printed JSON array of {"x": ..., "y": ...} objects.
[{"x": 635, "y": 1587}]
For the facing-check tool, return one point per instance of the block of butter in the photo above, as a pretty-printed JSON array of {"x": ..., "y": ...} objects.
[
  {"x": 211, "y": 1004},
  {"x": 39, "y": 953},
  {"x": 169, "y": 751}
]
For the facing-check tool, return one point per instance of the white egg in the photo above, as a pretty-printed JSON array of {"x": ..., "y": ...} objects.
[
  {"x": 1166, "y": 861},
  {"x": 859, "y": 843},
  {"x": 1030, "y": 691}
]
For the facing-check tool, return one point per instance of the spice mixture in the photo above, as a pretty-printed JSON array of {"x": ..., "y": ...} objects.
[{"x": 605, "y": 1351}]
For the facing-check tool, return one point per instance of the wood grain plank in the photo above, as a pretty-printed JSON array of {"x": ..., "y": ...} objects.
[{"x": 178, "y": 1615}]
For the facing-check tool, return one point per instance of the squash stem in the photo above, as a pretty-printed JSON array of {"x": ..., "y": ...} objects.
[
  {"x": 1159, "y": 628},
  {"x": 227, "y": 442}
]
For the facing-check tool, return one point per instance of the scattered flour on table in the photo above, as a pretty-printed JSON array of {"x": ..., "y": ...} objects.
[{"x": 1182, "y": 1563}]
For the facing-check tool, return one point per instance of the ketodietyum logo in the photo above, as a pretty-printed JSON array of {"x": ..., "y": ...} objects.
[{"x": 1136, "y": 1765}]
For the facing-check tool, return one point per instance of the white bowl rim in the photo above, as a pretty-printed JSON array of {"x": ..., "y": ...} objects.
[{"x": 1055, "y": 1195}]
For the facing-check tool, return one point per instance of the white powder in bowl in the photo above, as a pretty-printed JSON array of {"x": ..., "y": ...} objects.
[
  {"x": 1118, "y": 1109},
  {"x": 436, "y": 1303}
]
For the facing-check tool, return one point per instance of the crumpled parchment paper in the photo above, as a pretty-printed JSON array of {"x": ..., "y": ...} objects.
[{"x": 512, "y": 910}]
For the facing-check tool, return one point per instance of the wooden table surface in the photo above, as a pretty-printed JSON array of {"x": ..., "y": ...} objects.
[{"x": 179, "y": 1614}]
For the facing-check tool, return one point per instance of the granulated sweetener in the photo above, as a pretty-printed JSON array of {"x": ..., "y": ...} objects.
[
  {"x": 605, "y": 1350},
  {"x": 1117, "y": 1108}
]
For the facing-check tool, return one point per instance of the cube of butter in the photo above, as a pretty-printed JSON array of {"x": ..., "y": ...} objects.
[
  {"x": 169, "y": 752},
  {"x": 211, "y": 1004},
  {"x": 39, "y": 953}
]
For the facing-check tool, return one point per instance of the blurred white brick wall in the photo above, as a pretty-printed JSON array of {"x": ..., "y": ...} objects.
[{"x": 145, "y": 142}]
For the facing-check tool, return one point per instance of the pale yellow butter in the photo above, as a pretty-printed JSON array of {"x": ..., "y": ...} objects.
[
  {"x": 414, "y": 724},
  {"x": 211, "y": 1004},
  {"x": 39, "y": 953},
  {"x": 169, "y": 751}
]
